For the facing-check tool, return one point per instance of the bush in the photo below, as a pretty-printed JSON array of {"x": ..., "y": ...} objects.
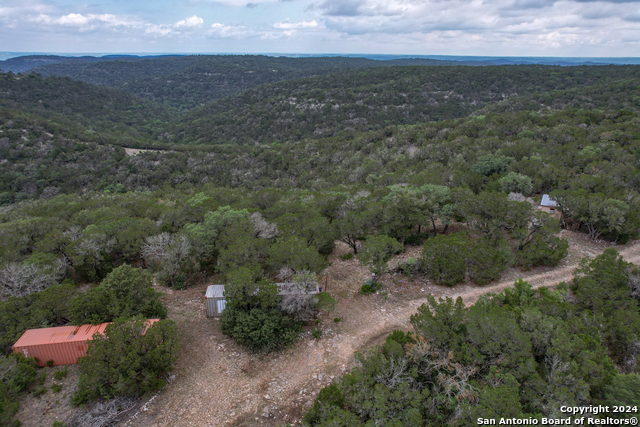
[
  {"x": 370, "y": 286},
  {"x": 126, "y": 361},
  {"x": 443, "y": 258},
  {"x": 456, "y": 257},
  {"x": 408, "y": 267},
  {"x": 330, "y": 396},
  {"x": 377, "y": 251},
  {"x": 259, "y": 329},
  {"x": 548, "y": 252},
  {"x": 47, "y": 308},
  {"x": 19, "y": 373},
  {"x": 326, "y": 302},
  {"x": 316, "y": 333},
  {"x": 60, "y": 374},
  {"x": 347, "y": 256},
  {"x": 39, "y": 391},
  {"x": 125, "y": 292},
  {"x": 56, "y": 388}
]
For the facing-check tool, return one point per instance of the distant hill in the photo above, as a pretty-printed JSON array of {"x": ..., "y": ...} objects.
[
  {"x": 21, "y": 64},
  {"x": 25, "y": 63},
  {"x": 79, "y": 107},
  {"x": 361, "y": 100},
  {"x": 188, "y": 81}
]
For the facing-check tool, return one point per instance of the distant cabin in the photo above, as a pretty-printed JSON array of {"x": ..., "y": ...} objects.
[
  {"x": 548, "y": 204},
  {"x": 215, "y": 301}
]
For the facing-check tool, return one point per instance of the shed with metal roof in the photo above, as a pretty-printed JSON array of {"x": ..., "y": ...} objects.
[
  {"x": 548, "y": 202},
  {"x": 215, "y": 300}
]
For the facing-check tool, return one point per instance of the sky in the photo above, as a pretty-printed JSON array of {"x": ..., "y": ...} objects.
[{"x": 584, "y": 28}]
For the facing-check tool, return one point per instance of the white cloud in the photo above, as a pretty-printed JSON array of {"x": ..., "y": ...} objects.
[
  {"x": 502, "y": 27},
  {"x": 487, "y": 27},
  {"x": 157, "y": 30},
  {"x": 73, "y": 20},
  {"x": 219, "y": 30},
  {"x": 286, "y": 25},
  {"x": 194, "y": 21},
  {"x": 234, "y": 3}
]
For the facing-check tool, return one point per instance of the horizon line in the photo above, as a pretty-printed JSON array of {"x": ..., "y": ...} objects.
[{"x": 410, "y": 55}]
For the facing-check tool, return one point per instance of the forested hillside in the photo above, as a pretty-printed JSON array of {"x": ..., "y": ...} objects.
[
  {"x": 80, "y": 108},
  {"x": 258, "y": 187},
  {"x": 188, "y": 81},
  {"x": 374, "y": 98}
]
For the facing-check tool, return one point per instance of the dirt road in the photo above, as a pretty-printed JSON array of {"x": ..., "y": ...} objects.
[{"x": 217, "y": 383}]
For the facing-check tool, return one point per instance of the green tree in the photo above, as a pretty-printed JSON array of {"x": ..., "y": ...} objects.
[
  {"x": 443, "y": 258},
  {"x": 294, "y": 253},
  {"x": 437, "y": 204},
  {"x": 238, "y": 246},
  {"x": 205, "y": 234},
  {"x": 310, "y": 226},
  {"x": 126, "y": 360},
  {"x": 602, "y": 287},
  {"x": 351, "y": 228},
  {"x": 260, "y": 329},
  {"x": 489, "y": 164},
  {"x": 516, "y": 183},
  {"x": 440, "y": 322},
  {"x": 377, "y": 251},
  {"x": 125, "y": 292}
]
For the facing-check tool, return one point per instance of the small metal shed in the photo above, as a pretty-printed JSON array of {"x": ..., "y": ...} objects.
[
  {"x": 548, "y": 204},
  {"x": 547, "y": 201},
  {"x": 215, "y": 301}
]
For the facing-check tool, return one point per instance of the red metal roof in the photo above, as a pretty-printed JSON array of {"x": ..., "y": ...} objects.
[
  {"x": 63, "y": 345},
  {"x": 59, "y": 334}
]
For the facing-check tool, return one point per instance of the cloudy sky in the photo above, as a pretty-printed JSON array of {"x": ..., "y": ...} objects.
[{"x": 426, "y": 27}]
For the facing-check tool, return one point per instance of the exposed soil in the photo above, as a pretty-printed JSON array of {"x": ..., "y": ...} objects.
[
  {"x": 218, "y": 383},
  {"x": 43, "y": 410}
]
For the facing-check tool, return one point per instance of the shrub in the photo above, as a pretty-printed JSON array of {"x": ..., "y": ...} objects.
[
  {"x": 50, "y": 363},
  {"x": 347, "y": 256},
  {"x": 330, "y": 396},
  {"x": 540, "y": 251},
  {"x": 260, "y": 329},
  {"x": 456, "y": 257},
  {"x": 19, "y": 373},
  {"x": 326, "y": 302},
  {"x": 125, "y": 292},
  {"x": 408, "y": 267},
  {"x": 56, "y": 388},
  {"x": 39, "y": 391},
  {"x": 316, "y": 333},
  {"x": 126, "y": 361},
  {"x": 60, "y": 374},
  {"x": 369, "y": 287},
  {"x": 443, "y": 258},
  {"x": 377, "y": 251}
]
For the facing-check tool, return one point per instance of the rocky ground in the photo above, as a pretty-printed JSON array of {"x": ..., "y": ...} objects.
[{"x": 218, "y": 383}]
